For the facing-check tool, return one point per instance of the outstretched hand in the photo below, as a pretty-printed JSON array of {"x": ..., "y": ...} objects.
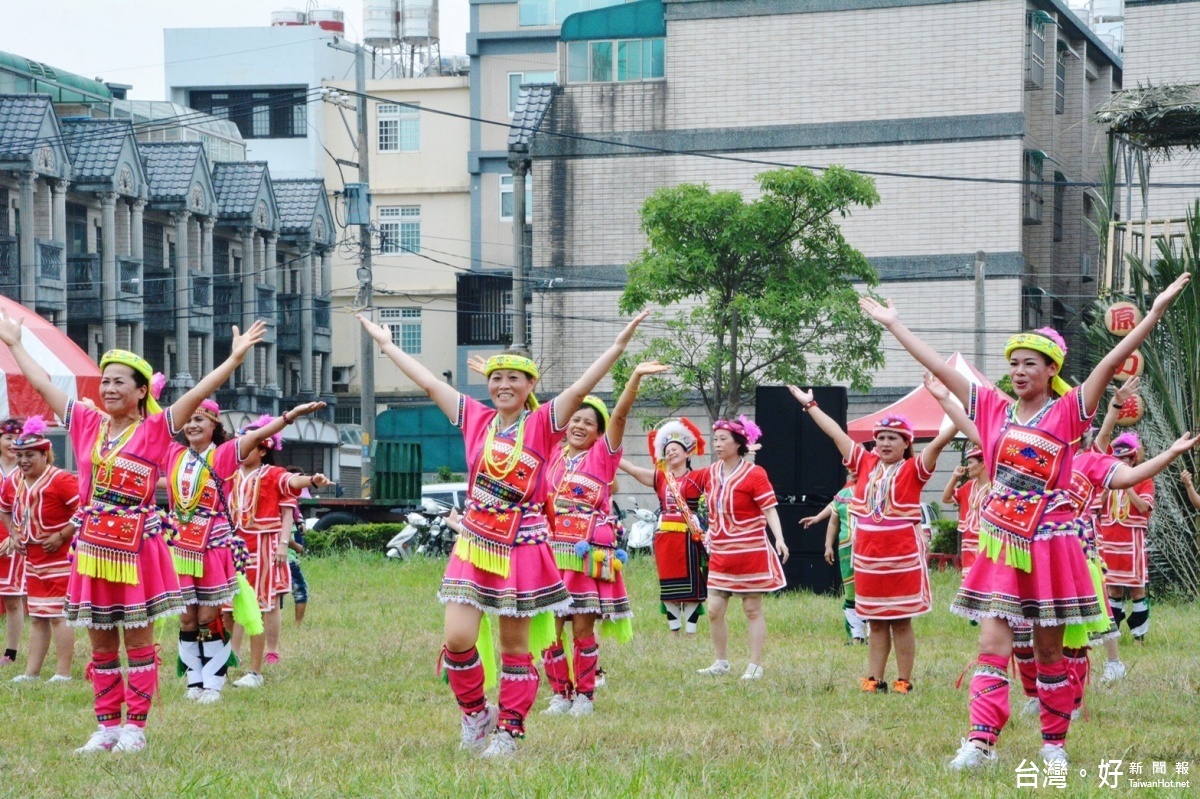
[
  {"x": 477, "y": 364},
  {"x": 650, "y": 368},
  {"x": 1184, "y": 443},
  {"x": 243, "y": 342},
  {"x": 1126, "y": 390},
  {"x": 1168, "y": 295},
  {"x": 1186, "y": 477},
  {"x": 10, "y": 328},
  {"x": 885, "y": 315},
  {"x": 625, "y": 335},
  {"x": 306, "y": 408},
  {"x": 376, "y": 331},
  {"x": 802, "y": 396},
  {"x": 936, "y": 387},
  {"x": 319, "y": 480}
]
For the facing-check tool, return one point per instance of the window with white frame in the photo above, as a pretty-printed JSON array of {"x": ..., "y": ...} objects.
[
  {"x": 400, "y": 230},
  {"x": 1034, "y": 160},
  {"x": 506, "y": 198},
  {"x": 515, "y": 79},
  {"x": 399, "y": 128},
  {"x": 1035, "y": 68},
  {"x": 405, "y": 324},
  {"x": 616, "y": 60}
]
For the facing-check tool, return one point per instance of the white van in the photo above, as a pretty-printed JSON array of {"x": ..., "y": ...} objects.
[{"x": 453, "y": 495}]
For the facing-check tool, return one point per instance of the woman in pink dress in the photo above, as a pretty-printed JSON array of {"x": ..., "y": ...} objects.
[
  {"x": 37, "y": 505},
  {"x": 584, "y": 541},
  {"x": 741, "y": 560},
  {"x": 204, "y": 543},
  {"x": 502, "y": 562},
  {"x": 12, "y": 562},
  {"x": 891, "y": 572},
  {"x": 122, "y": 579},
  {"x": 1031, "y": 567}
]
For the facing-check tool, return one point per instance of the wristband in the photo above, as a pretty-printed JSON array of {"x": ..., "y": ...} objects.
[
  {"x": 285, "y": 418},
  {"x": 810, "y": 404}
]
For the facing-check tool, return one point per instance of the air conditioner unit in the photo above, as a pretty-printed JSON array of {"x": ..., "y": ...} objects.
[{"x": 341, "y": 378}]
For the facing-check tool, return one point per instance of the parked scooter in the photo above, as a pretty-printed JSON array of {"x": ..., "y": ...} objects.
[
  {"x": 645, "y": 525},
  {"x": 425, "y": 533}
]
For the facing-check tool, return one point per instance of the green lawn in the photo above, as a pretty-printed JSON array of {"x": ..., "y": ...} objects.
[{"x": 354, "y": 709}]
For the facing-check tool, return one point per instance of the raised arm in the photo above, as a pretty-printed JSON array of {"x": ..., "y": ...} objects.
[
  {"x": 299, "y": 482},
  {"x": 248, "y": 442},
  {"x": 641, "y": 474},
  {"x": 615, "y": 432},
  {"x": 828, "y": 426},
  {"x": 183, "y": 408},
  {"x": 10, "y": 334},
  {"x": 1120, "y": 396},
  {"x": 956, "y": 413},
  {"x": 444, "y": 395},
  {"x": 1128, "y": 476},
  {"x": 926, "y": 355},
  {"x": 1193, "y": 496},
  {"x": 568, "y": 402},
  {"x": 1097, "y": 382},
  {"x": 826, "y": 513},
  {"x": 960, "y": 471},
  {"x": 930, "y": 454}
]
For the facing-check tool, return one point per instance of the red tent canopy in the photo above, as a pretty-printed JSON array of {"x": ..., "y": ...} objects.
[
  {"x": 919, "y": 406},
  {"x": 69, "y": 367}
]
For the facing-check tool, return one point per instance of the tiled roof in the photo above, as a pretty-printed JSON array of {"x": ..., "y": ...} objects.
[
  {"x": 21, "y": 117},
  {"x": 94, "y": 146},
  {"x": 236, "y": 184},
  {"x": 169, "y": 167},
  {"x": 532, "y": 105},
  {"x": 298, "y": 201}
]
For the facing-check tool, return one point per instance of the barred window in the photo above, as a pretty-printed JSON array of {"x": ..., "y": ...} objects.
[
  {"x": 399, "y": 128},
  {"x": 405, "y": 324},
  {"x": 400, "y": 230}
]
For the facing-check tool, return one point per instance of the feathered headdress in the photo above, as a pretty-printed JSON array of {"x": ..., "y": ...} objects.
[
  {"x": 275, "y": 442},
  {"x": 33, "y": 435},
  {"x": 1126, "y": 443},
  {"x": 682, "y": 431}
]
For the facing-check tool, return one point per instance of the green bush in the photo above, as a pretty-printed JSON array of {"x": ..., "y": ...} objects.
[
  {"x": 371, "y": 537},
  {"x": 945, "y": 537}
]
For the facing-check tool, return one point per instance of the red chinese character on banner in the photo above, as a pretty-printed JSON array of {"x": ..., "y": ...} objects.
[
  {"x": 1122, "y": 317},
  {"x": 1131, "y": 412},
  {"x": 1132, "y": 367}
]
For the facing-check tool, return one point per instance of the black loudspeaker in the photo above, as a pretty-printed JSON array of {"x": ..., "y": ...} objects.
[
  {"x": 806, "y": 567},
  {"x": 802, "y": 462}
]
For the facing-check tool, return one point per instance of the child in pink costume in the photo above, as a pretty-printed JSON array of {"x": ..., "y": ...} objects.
[
  {"x": 122, "y": 578},
  {"x": 502, "y": 562},
  {"x": 1031, "y": 567}
]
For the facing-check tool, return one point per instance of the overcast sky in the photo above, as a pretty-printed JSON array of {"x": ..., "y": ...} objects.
[{"x": 122, "y": 40}]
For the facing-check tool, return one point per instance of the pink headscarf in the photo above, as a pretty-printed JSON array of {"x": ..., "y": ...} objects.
[{"x": 895, "y": 423}]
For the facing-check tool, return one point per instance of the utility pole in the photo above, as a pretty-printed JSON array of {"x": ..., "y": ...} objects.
[
  {"x": 365, "y": 293},
  {"x": 518, "y": 162},
  {"x": 980, "y": 312}
]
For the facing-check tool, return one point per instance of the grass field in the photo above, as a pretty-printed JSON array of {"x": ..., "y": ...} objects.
[{"x": 354, "y": 709}]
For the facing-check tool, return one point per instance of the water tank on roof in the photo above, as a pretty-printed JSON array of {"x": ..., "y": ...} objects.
[
  {"x": 380, "y": 23},
  {"x": 1108, "y": 10},
  {"x": 328, "y": 19},
  {"x": 418, "y": 21},
  {"x": 287, "y": 18}
]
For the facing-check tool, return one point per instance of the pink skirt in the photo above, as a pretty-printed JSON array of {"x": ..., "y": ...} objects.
[
  {"x": 970, "y": 551},
  {"x": 533, "y": 584},
  {"x": 1124, "y": 552},
  {"x": 101, "y": 604},
  {"x": 596, "y": 597},
  {"x": 218, "y": 584},
  {"x": 270, "y": 579},
  {"x": 1057, "y": 589}
]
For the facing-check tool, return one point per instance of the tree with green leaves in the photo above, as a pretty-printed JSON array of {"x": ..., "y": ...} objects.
[{"x": 755, "y": 291}]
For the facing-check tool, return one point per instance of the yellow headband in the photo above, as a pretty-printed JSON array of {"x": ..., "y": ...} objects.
[
  {"x": 597, "y": 405},
  {"x": 1046, "y": 346},
  {"x": 139, "y": 365},
  {"x": 519, "y": 363}
]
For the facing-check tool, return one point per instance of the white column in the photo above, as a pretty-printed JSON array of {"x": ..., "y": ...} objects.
[
  {"x": 206, "y": 266},
  {"x": 249, "y": 268},
  {"x": 108, "y": 268},
  {"x": 58, "y": 233},
  {"x": 306, "y": 320},
  {"x": 326, "y": 294},
  {"x": 181, "y": 379},
  {"x": 270, "y": 279},
  {"x": 137, "y": 250},
  {"x": 28, "y": 254}
]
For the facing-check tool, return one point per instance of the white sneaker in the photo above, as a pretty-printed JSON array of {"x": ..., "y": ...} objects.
[
  {"x": 753, "y": 672},
  {"x": 26, "y": 678},
  {"x": 582, "y": 706},
  {"x": 601, "y": 678},
  {"x": 131, "y": 739},
  {"x": 1053, "y": 753},
  {"x": 193, "y": 693},
  {"x": 717, "y": 669},
  {"x": 59, "y": 678},
  {"x": 501, "y": 745},
  {"x": 559, "y": 705},
  {"x": 1033, "y": 707},
  {"x": 1114, "y": 671},
  {"x": 476, "y": 726},
  {"x": 251, "y": 680},
  {"x": 971, "y": 756},
  {"x": 102, "y": 740},
  {"x": 208, "y": 696}
]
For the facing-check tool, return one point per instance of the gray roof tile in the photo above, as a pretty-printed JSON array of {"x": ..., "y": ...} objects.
[
  {"x": 94, "y": 146},
  {"x": 298, "y": 200},
  {"x": 21, "y": 118},
  {"x": 236, "y": 184},
  {"x": 169, "y": 168},
  {"x": 532, "y": 105}
]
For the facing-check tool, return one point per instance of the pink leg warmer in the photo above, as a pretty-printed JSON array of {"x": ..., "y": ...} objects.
[
  {"x": 989, "y": 709},
  {"x": 518, "y": 688},
  {"x": 1023, "y": 655},
  {"x": 105, "y": 673},
  {"x": 554, "y": 663},
  {"x": 587, "y": 655},
  {"x": 1078, "y": 667},
  {"x": 465, "y": 673},
  {"x": 141, "y": 684},
  {"x": 1056, "y": 697}
]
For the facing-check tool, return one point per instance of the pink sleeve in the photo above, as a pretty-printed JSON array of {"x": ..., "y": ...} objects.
[
  {"x": 473, "y": 418},
  {"x": 82, "y": 423},
  {"x": 764, "y": 493},
  {"x": 1096, "y": 467},
  {"x": 225, "y": 459},
  {"x": 601, "y": 462},
  {"x": 159, "y": 438}
]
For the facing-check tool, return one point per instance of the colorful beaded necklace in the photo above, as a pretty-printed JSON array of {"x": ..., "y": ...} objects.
[
  {"x": 879, "y": 487},
  {"x": 105, "y": 450},
  {"x": 500, "y": 467},
  {"x": 188, "y": 477}
]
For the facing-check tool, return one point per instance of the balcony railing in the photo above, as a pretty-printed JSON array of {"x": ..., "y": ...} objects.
[
  {"x": 227, "y": 306},
  {"x": 1139, "y": 240},
  {"x": 85, "y": 277},
  {"x": 289, "y": 322},
  {"x": 159, "y": 299},
  {"x": 51, "y": 280},
  {"x": 10, "y": 267},
  {"x": 322, "y": 313},
  {"x": 50, "y": 260},
  {"x": 129, "y": 276},
  {"x": 265, "y": 307}
]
